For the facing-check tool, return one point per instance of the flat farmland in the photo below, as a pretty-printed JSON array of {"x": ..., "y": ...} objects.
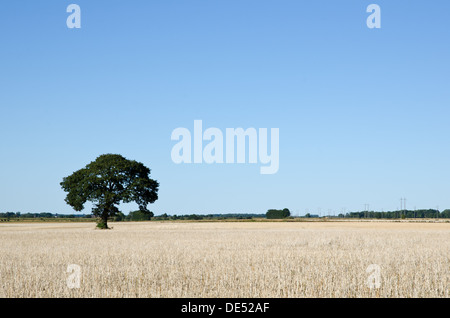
[{"x": 225, "y": 259}]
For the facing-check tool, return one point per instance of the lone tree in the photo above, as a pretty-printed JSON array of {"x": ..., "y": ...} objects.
[{"x": 108, "y": 180}]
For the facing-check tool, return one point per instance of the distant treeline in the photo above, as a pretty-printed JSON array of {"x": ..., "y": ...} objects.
[
  {"x": 46, "y": 215},
  {"x": 409, "y": 214},
  {"x": 132, "y": 216},
  {"x": 271, "y": 214},
  {"x": 140, "y": 216}
]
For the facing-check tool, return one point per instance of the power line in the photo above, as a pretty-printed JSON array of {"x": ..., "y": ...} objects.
[
  {"x": 402, "y": 206},
  {"x": 366, "y": 209}
]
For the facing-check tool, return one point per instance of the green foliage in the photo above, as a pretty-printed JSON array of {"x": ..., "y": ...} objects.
[
  {"x": 194, "y": 217},
  {"x": 408, "y": 214},
  {"x": 278, "y": 214},
  {"x": 162, "y": 217},
  {"x": 139, "y": 216},
  {"x": 445, "y": 214},
  {"x": 106, "y": 182},
  {"x": 119, "y": 217}
]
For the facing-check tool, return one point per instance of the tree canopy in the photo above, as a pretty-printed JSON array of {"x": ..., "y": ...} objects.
[{"x": 106, "y": 182}]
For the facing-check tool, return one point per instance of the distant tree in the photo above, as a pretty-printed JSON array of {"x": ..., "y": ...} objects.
[
  {"x": 106, "y": 182},
  {"x": 445, "y": 214},
  {"x": 278, "y": 214},
  {"x": 10, "y": 215},
  {"x": 286, "y": 213},
  {"x": 194, "y": 217},
  {"x": 139, "y": 216},
  {"x": 119, "y": 217}
]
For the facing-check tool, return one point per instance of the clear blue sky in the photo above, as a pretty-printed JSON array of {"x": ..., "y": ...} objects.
[{"x": 363, "y": 113}]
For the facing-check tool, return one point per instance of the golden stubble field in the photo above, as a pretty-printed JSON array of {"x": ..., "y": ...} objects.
[{"x": 225, "y": 259}]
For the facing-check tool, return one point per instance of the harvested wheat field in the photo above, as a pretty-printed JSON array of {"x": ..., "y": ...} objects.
[{"x": 225, "y": 259}]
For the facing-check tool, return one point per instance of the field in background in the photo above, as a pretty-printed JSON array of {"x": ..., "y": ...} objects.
[{"x": 225, "y": 259}]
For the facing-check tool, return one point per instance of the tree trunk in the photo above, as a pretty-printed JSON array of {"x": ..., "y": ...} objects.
[{"x": 103, "y": 223}]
